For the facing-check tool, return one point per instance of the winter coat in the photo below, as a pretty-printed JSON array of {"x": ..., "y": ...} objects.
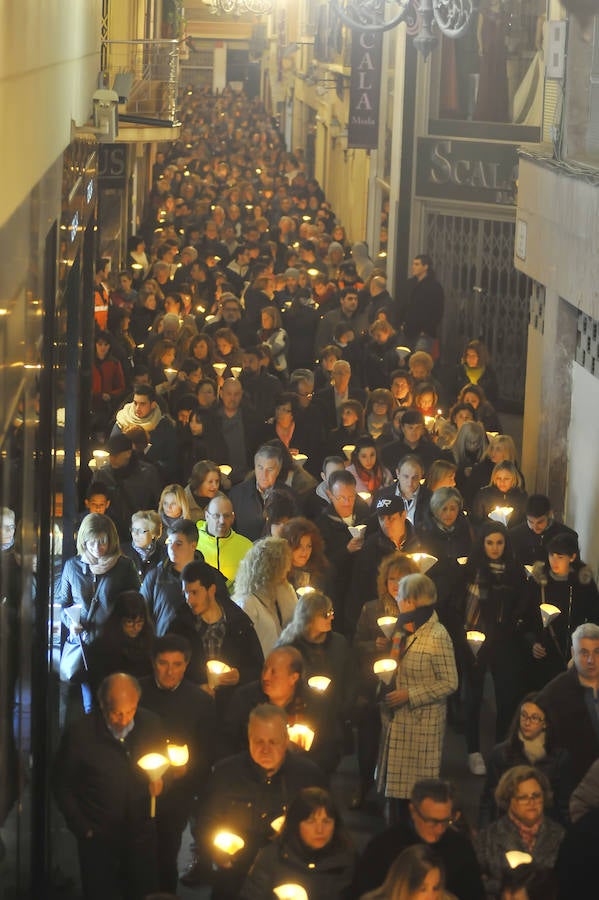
[
  {"x": 412, "y": 736},
  {"x": 270, "y": 613},
  {"x": 387, "y": 478},
  {"x": 78, "y": 584},
  {"x": 529, "y": 547},
  {"x": 487, "y": 381},
  {"x": 277, "y": 341},
  {"x": 224, "y": 554},
  {"x": 163, "y": 592},
  {"x": 489, "y": 497},
  {"x": 301, "y": 321},
  {"x": 336, "y": 536},
  {"x": 421, "y": 308},
  {"x": 324, "y": 875},
  {"x": 142, "y": 565},
  {"x": 572, "y": 728},
  {"x": 493, "y": 842},
  {"x": 249, "y": 506}
]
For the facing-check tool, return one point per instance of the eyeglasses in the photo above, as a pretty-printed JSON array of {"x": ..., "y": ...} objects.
[
  {"x": 527, "y": 798},
  {"x": 306, "y": 396},
  {"x": 328, "y": 613},
  {"x": 533, "y": 717},
  {"x": 140, "y": 531},
  {"x": 429, "y": 820}
]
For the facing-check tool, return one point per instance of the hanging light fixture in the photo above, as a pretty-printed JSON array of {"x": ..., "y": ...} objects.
[
  {"x": 240, "y": 7},
  {"x": 425, "y": 18}
]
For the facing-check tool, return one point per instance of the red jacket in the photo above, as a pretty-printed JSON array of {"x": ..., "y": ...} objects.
[{"x": 107, "y": 377}]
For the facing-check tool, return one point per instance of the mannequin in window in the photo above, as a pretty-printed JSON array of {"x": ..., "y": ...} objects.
[{"x": 492, "y": 100}]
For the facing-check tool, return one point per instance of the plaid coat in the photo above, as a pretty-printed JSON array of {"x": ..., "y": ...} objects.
[{"x": 412, "y": 734}]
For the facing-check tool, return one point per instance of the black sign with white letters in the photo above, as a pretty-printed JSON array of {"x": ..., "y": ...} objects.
[
  {"x": 112, "y": 164},
  {"x": 470, "y": 171},
  {"x": 365, "y": 90}
]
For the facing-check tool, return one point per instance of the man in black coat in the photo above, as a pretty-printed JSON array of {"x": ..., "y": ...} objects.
[
  {"x": 216, "y": 628},
  {"x": 132, "y": 483},
  {"x": 413, "y": 495},
  {"x": 421, "y": 308},
  {"x": 571, "y": 702},
  {"x": 260, "y": 388},
  {"x": 414, "y": 440},
  {"x": 330, "y": 398},
  {"x": 248, "y": 498},
  {"x": 248, "y": 791},
  {"x": 529, "y": 540},
  {"x": 428, "y": 822},
  {"x": 188, "y": 718},
  {"x": 105, "y": 796}
]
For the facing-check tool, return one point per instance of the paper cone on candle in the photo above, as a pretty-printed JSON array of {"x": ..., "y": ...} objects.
[
  {"x": 424, "y": 560},
  {"x": 385, "y": 669},
  {"x": 236, "y": 370},
  {"x": 171, "y": 374},
  {"x": 214, "y": 669},
  {"x": 290, "y": 892},
  {"x": 475, "y": 640},
  {"x": 365, "y": 495},
  {"x": 492, "y": 434},
  {"x": 348, "y": 449},
  {"x": 501, "y": 514},
  {"x": 101, "y": 456},
  {"x": 74, "y": 613},
  {"x": 357, "y": 531},
  {"x": 225, "y": 470},
  {"x": 277, "y": 823},
  {"x": 429, "y": 422},
  {"x": 462, "y": 560},
  {"x": 319, "y": 683},
  {"x": 549, "y": 612},
  {"x": 154, "y": 765},
  {"x": 178, "y": 754},
  {"x": 387, "y": 624},
  {"x": 528, "y": 570},
  {"x": 300, "y": 458},
  {"x": 517, "y": 858},
  {"x": 219, "y": 368},
  {"x": 402, "y": 352},
  {"x": 300, "y": 591},
  {"x": 301, "y": 735},
  {"x": 228, "y": 842}
]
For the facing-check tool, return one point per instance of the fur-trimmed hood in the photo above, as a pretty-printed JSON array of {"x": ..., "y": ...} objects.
[{"x": 541, "y": 574}]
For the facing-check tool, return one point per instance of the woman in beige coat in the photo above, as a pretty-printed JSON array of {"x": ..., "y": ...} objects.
[{"x": 413, "y": 710}]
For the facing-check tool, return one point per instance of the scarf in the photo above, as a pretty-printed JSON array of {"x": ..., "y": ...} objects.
[
  {"x": 528, "y": 833},
  {"x": 533, "y": 748},
  {"x": 100, "y": 565},
  {"x": 126, "y": 417},
  {"x": 373, "y": 478},
  {"x": 145, "y": 552},
  {"x": 399, "y": 644}
]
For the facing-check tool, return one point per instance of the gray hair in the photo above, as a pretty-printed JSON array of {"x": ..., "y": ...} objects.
[
  {"x": 266, "y": 712},
  {"x": 267, "y": 451},
  {"x": 309, "y": 605},
  {"x": 587, "y": 630},
  {"x": 151, "y": 517},
  {"x": 442, "y": 496},
  {"x": 418, "y": 588}
]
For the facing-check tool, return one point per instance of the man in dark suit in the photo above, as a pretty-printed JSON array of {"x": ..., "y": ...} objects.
[
  {"x": 410, "y": 491},
  {"x": 330, "y": 398}
]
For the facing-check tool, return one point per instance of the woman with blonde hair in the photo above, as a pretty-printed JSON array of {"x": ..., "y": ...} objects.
[
  {"x": 416, "y": 874},
  {"x": 173, "y": 505},
  {"x": 263, "y": 591},
  {"x": 501, "y": 448},
  {"x": 504, "y": 490},
  {"x": 145, "y": 548}
]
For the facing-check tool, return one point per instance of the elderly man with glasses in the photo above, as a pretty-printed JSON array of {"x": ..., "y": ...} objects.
[
  {"x": 429, "y": 821},
  {"x": 219, "y": 544}
]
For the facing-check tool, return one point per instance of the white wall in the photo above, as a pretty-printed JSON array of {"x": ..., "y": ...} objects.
[
  {"x": 49, "y": 59},
  {"x": 582, "y": 511}
]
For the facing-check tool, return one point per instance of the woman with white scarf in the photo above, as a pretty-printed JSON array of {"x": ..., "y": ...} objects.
[{"x": 90, "y": 583}]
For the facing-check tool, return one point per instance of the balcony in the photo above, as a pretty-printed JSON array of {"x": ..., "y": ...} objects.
[{"x": 145, "y": 75}]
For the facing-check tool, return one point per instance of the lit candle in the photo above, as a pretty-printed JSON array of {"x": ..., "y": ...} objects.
[
  {"x": 300, "y": 591},
  {"x": 348, "y": 449},
  {"x": 402, "y": 352},
  {"x": 100, "y": 457},
  {"x": 171, "y": 374},
  {"x": 219, "y": 368},
  {"x": 549, "y": 612},
  {"x": 528, "y": 570},
  {"x": 429, "y": 422},
  {"x": 425, "y": 561},
  {"x": 228, "y": 842},
  {"x": 178, "y": 755},
  {"x": 236, "y": 370},
  {"x": 492, "y": 434},
  {"x": 387, "y": 624},
  {"x": 475, "y": 640},
  {"x": 301, "y": 735},
  {"x": 225, "y": 470},
  {"x": 300, "y": 458},
  {"x": 277, "y": 824},
  {"x": 357, "y": 531},
  {"x": 290, "y": 892},
  {"x": 154, "y": 765},
  {"x": 385, "y": 669},
  {"x": 319, "y": 683},
  {"x": 517, "y": 858},
  {"x": 501, "y": 514},
  {"x": 214, "y": 669},
  {"x": 462, "y": 560},
  {"x": 365, "y": 495}
]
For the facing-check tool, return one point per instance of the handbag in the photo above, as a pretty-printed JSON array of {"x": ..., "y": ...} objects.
[{"x": 72, "y": 659}]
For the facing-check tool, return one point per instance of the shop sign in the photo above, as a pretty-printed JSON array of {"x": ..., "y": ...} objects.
[
  {"x": 365, "y": 89},
  {"x": 470, "y": 171},
  {"x": 112, "y": 168}
]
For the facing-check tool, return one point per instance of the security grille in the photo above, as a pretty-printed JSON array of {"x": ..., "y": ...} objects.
[
  {"x": 485, "y": 296},
  {"x": 587, "y": 344}
]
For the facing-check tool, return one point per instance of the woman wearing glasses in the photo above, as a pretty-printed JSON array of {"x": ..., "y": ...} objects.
[
  {"x": 522, "y": 795},
  {"x": 145, "y": 547},
  {"x": 125, "y": 645},
  {"x": 529, "y": 743}
]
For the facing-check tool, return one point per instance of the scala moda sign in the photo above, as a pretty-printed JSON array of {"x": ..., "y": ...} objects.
[
  {"x": 470, "y": 171},
  {"x": 365, "y": 90}
]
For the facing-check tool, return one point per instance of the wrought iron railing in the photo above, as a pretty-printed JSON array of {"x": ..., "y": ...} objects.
[{"x": 147, "y": 73}]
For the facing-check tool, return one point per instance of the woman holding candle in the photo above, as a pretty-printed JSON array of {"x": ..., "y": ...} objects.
[
  {"x": 350, "y": 430},
  {"x": 308, "y": 563},
  {"x": 204, "y": 484},
  {"x": 529, "y": 744},
  {"x": 413, "y": 711},
  {"x": 503, "y": 496},
  {"x": 566, "y": 584},
  {"x": 523, "y": 793},
  {"x": 366, "y": 467},
  {"x": 491, "y": 602},
  {"x": 312, "y": 850},
  {"x": 370, "y": 644}
]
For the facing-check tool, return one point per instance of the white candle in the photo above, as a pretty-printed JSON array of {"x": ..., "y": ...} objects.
[
  {"x": 501, "y": 514},
  {"x": 425, "y": 561},
  {"x": 178, "y": 754},
  {"x": 154, "y": 765},
  {"x": 236, "y": 370},
  {"x": 301, "y": 735},
  {"x": 348, "y": 449},
  {"x": 387, "y": 624},
  {"x": 214, "y": 669},
  {"x": 225, "y": 470},
  {"x": 219, "y": 368},
  {"x": 300, "y": 458},
  {"x": 475, "y": 640},
  {"x": 385, "y": 669},
  {"x": 365, "y": 495},
  {"x": 357, "y": 531},
  {"x": 277, "y": 824},
  {"x": 319, "y": 683},
  {"x": 549, "y": 612},
  {"x": 517, "y": 858},
  {"x": 228, "y": 842},
  {"x": 290, "y": 892},
  {"x": 462, "y": 560}
]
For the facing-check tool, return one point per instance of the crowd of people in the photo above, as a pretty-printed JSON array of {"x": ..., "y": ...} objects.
[{"x": 309, "y": 538}]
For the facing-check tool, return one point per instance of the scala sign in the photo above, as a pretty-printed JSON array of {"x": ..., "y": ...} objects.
[
  {"x": 365, "y": 90},
  {"x": 467, "y": 170}
]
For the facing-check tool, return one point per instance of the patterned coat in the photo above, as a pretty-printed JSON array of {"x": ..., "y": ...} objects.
[{"x": 412, "y": 736}]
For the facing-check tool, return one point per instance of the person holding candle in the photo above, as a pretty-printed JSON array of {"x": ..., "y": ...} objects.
[
  {"x": 503, "y": 491},
  {"x": 523, "y": 793},
  {"x": 410, "y": 491},
  {"x": 105, "y": 796},
  {"x": 530, "y": 539},
  {"x": 366, "y": 467},
  {"x": 413, "y": 711},
  {"x": 312, "y": 850},
  {"x": 491, "y": 601},
  {"x": 350, "y": 429},
  {"x": 205, "y": 482},
  {"x": 566, "y": 584},
  {"x": 247, "y": 792},
  {"x": 188, "y": 719},
  {"x": 308, "y": 563}
]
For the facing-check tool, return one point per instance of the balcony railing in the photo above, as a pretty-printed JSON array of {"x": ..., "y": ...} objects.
[{"x": 146, "y": 73}]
